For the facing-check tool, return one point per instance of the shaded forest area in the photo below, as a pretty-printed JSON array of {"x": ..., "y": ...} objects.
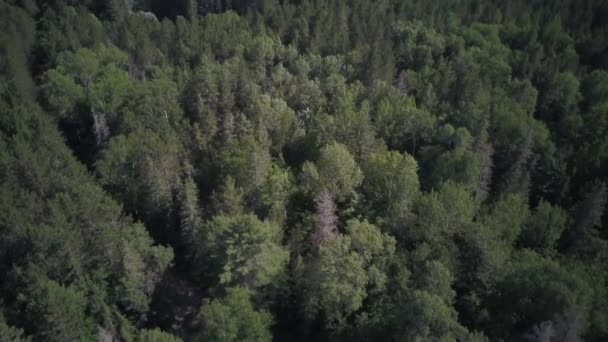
[{"x": 298, "y": 170}]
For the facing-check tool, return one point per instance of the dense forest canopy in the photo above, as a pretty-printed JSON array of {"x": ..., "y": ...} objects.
[{"x": 297, "y": 170}]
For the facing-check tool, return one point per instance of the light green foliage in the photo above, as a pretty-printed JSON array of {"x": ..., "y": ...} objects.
[
  {"x": 459, "y": 204},
  {"x": 275, "y": 193},
  {"x": 110, "y": 90},
  {"x": 233, "y": 318},
  {"x": 346, "y": 271},
  {"x": 261, "y": 50},
  {"x": 243, "y": 250},
  {"x": 391, "y": 182},
  {"x": 62, "y": 92},
  {"x": 375, "y": 249},
  {"x": 89, "y": 85},
  {"x": 431, "y": 219},
  {"x": 338, "y": 280},
  {"x": 142, "y": 268},
  {"x": 346, "y": 123},
  {"x": 91, "y": 76},
  {"x": 336, "y": 171},
  {"x": 66, "y": 28}
]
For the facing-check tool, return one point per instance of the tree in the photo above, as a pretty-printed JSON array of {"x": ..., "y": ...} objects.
[
  {"x": 60, "y": 313},
  {"x": 233, "y": 318},
  {"x": 155, "y": 335},
  {"x": 460, "y": 164},
  {"x": 143, "y": 266},
  {"x": 554, "y": 290},
  {"x": 347, "y": 122},
  {"x": 189, "y": 210},
  {"x": 543, "y": 228},
  {"x": 243, "y": 251},
  {"x": 276, "y": 192},
  {"x": 248, "y": 161},
  {"x": 87, "y": 88},
  {"x": 336, "y": 282},
  {"x": 229, "y": 199},
  {"x": 507, "y": 217},
  {"x": 391, "y": 183},
  {"x": 345, "y": 271},
  {"x": 436, "y": 279},
  {"x": 142, "y": 170},
  {"x": 336, "y": 171},
  {"x": 422, "y": 315},
  {"x": 441, "y": 214},
  {"x": 376, "y": 250}
]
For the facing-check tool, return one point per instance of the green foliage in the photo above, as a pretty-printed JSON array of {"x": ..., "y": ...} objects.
[
  {"x": 155, "y": 335},
  {"x": 275, "y": 193},
  {"x": 437, "y": 280},
  {"x": 10, "y": 333},
  {"x": 244, "y": 251},
  {"x": 377, "y": 170},
  {"x": 336, "y": 171},
  {"x": 60, "y": 313},
  {"x": 535, "y": 290},
  {"x": 430, "y": 318},
  {"x": 507, "y": 217},
  {"x": 543, "y": 228},
  {"x": 247, "y": 162},
  {"x": 142, "y": 268},
  {"x": 441, "y": 214},
  {"x": 346, "y": 271},
  {"x": 142, "y": 170},
  {"x": 16, "y": 41},
  {"x": 339, "y": 281},
  {"x": 391, "y": 182},
  {"x": 233, "y": 318}
]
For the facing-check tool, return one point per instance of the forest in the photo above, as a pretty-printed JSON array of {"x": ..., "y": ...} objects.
[{"x": 304, "y": 170}]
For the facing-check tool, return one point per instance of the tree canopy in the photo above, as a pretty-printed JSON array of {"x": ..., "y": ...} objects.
[{"x": 391, "y": 170}]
